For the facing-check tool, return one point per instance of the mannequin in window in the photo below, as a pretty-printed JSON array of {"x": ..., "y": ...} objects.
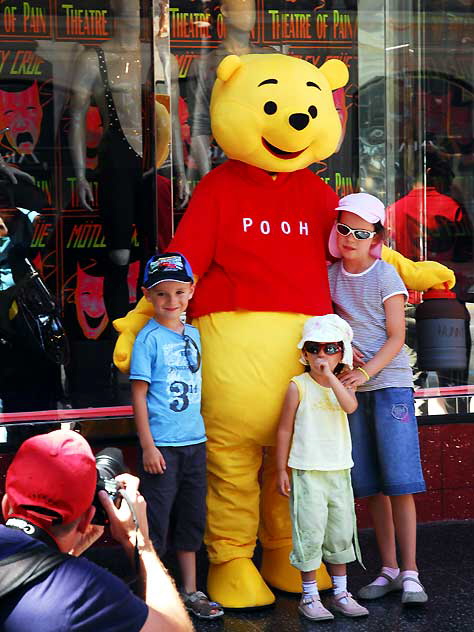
[
  {"x": 169, "y": 81},
  {"x": 113, "y": 77},
  {"x": 239, "y": 17}
]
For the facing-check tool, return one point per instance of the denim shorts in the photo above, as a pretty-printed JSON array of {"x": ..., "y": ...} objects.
[{"x": 385, "y": 446}]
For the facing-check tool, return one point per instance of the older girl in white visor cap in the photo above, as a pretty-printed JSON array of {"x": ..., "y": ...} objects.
[{"x": 369, "y": 294}]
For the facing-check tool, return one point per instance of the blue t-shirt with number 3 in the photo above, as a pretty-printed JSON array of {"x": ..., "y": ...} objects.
[{"x": 164, "y": 359}]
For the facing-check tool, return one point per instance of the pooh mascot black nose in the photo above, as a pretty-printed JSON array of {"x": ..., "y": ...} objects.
[{"x": 299, "y": 121}]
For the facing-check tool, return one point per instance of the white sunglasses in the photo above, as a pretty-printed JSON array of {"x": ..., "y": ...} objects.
[{"x": 359, "y": 233}]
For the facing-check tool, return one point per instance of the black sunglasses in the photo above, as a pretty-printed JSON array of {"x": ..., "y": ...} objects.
[
  {"x": 358, "y": 233},
  {"x": 191, "y": 351},
  {"x": 329, "y": 348}
]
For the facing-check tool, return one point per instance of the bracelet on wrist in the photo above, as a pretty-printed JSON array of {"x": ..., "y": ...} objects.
[{"x": 359, "y": 368}]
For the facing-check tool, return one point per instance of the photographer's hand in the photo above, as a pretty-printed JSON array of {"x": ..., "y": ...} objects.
[
  {"x": 122, "y": 526},
  {"x": 166, "y": 610}
]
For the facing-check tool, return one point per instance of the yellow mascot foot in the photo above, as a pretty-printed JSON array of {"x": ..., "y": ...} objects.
[
  {"x": 279, "y": 573},
  {"x": 238, "y": 584}
]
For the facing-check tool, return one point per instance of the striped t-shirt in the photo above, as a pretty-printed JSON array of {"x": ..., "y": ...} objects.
[{"x": 359, "y": 299}]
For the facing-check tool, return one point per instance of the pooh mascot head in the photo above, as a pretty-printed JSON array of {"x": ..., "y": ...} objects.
[
  {"x": 276, "y": 112},
  {"x": 256, "y": 233}
]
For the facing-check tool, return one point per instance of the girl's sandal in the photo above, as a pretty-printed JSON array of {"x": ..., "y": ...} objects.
[
  {"x": 374, "y": 591},
  {"x": 413, "y": 598},
  {"x": 198, "y": 604}
]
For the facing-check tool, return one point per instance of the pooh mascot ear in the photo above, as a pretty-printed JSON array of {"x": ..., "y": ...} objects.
[
  {"x": 228, "y": 66},
  {"x": 336, "y": 72}
]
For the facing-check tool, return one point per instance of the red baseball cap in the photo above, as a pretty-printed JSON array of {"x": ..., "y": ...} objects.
[{"x": 52, "y": 478}]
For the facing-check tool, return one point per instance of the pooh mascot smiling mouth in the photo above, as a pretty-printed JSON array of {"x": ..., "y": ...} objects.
[{"x": 256, "y": 233}]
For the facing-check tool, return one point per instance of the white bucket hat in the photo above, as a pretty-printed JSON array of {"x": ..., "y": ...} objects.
[
  {"x": 328, "y": 328},
  {"x": 367, "y": 207}
]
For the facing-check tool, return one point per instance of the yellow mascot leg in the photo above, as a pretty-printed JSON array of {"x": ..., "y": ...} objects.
[
  {"x": 275, "y": 536},
  {"x": 248, "y": 360},
  {"x": 232, "y": 522}
]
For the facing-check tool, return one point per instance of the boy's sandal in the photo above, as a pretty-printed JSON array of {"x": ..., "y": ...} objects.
[
  {"x": 413, "y": 598},
  {"x": 372, "y": 591},
  {"x": 198, "y": 604}
]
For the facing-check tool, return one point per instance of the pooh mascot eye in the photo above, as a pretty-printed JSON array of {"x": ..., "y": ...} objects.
[
  {"x": 313, "y": 112},
  {"x": 270, "y": 107}
]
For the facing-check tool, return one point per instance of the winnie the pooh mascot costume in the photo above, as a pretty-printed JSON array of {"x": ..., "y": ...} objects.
[{"x": 256, "y": 234}]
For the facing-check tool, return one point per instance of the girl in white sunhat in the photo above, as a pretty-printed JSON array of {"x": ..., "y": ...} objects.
[
  {"x": 370, "y": 295},
  {"x": 314, "y": 441}
]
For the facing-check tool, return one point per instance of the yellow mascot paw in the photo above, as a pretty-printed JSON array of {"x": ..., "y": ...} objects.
[
  {"x": 238, "y": 584},
  {"x": 123, "y": 351},
  {"x": 278, "y": 572},
  {"x": 128, "y": 328}
]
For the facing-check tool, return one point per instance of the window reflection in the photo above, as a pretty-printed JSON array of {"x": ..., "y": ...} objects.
[
  {"x": 417, "y": 144},
  {"x": 407, "y": 116}
]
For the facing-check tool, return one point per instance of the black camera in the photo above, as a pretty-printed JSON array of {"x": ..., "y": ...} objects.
[{"x": 109, "y": 463}]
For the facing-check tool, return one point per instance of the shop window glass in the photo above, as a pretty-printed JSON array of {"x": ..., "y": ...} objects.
[
  {"x": 416, "y": 148},
  {"x": 77, "y": 121},
  {"x": 104, "y": 108}
]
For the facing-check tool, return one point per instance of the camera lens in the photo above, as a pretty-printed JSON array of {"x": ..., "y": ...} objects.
[{"x": 109, "y": 463}]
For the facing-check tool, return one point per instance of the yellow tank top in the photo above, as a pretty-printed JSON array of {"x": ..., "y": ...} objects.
[{"x": 321, "y": 437}]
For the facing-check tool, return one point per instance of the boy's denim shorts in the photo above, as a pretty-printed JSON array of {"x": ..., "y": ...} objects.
[{"x": 385, "y": 446}]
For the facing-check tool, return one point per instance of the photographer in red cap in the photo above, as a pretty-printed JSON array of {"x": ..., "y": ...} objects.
[{"x": 48, "y": 508}]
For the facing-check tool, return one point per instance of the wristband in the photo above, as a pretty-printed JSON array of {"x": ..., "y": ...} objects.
[{"x": 359, "y": 368}]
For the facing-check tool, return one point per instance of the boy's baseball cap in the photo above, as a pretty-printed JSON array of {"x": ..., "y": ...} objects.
[
  {"x": 171, "y": 266},
  {"x": 52, "y": 478},
  {"x": 328, "y": 328},
  {"x": 367, "y": 207}
]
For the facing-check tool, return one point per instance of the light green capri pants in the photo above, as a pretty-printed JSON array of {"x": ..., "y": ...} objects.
[{"x": 323, "y": 518}]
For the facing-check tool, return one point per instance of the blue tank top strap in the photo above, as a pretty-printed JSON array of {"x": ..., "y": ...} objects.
[{"x": 114, "y": 122}]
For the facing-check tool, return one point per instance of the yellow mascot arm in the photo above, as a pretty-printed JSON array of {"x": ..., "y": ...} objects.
[
  {"x": 419, "y": 275},
  {"x": 128, "y": 328}
]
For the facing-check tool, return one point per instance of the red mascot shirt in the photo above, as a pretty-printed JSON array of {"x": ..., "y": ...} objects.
[{"x": 258, "y": 243}]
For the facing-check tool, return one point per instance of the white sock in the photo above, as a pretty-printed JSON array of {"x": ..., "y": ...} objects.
[
  {"x": 310, "y": 589},
  {"x": 411, "y": 586},
  {"x": 339, "y": 585},
  {"x": 381, "y": 581}
]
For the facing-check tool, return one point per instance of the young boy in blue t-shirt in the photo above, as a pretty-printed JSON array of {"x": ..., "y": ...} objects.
[{"x": 165, "y": 375}]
